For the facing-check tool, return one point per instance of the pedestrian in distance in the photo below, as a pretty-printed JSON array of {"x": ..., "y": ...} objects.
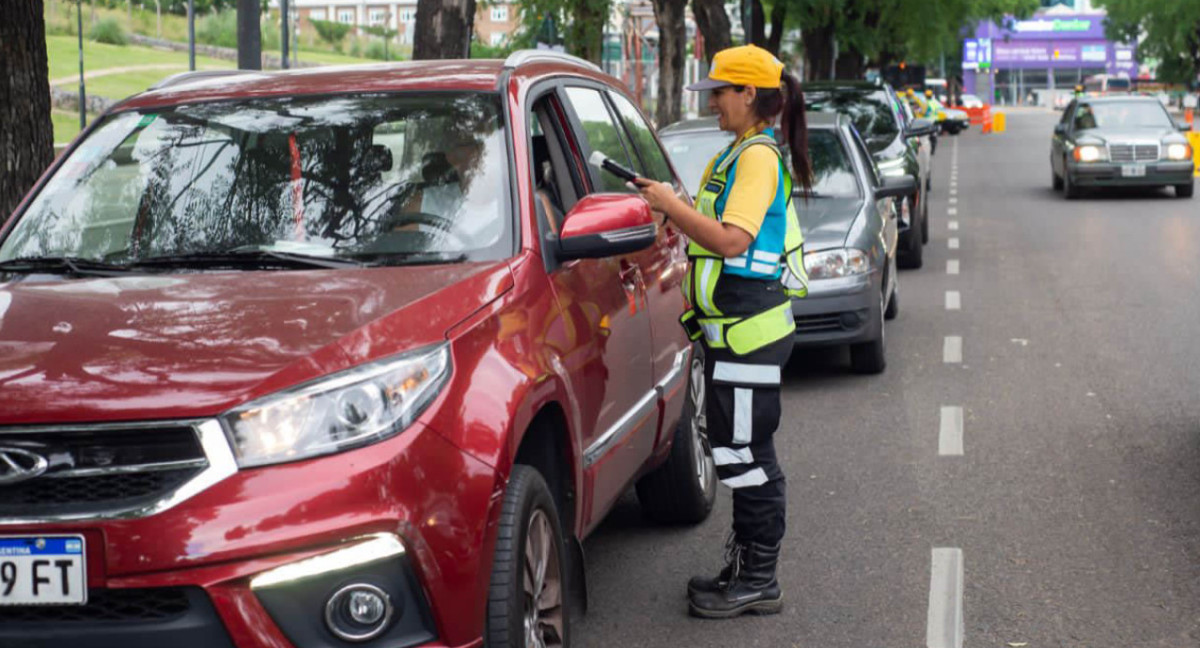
[{"x": 746, "y": 263}]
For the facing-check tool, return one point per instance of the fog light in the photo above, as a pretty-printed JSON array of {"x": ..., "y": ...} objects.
[
  {"x": 850, "y": 320},
  {"x": 359, "y": 612}
]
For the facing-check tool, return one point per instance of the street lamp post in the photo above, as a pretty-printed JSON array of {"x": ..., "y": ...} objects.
[
  {"x": 191, "y": 9},
  {"x": 283, "y": 45},
  {"x": 82, "y": 93}
]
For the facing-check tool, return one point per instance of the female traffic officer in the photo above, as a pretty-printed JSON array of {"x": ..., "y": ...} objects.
[{"x": 745, "y": 264}]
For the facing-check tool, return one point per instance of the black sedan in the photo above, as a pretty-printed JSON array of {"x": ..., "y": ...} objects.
[{"x": 1123, "y": 141}]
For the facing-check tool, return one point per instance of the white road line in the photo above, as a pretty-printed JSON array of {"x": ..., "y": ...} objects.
[
  {"x": 945, "y": 625},
  {"x": 953, "y": 225},
  {"x": 953, "y": 191},
  {"x": 953, "y": 300},
  {"x": 952, "y": 211},
  {"x": 953, "y": 200},
  {"x": 953, "y": 243},
  {"x": 950, "y": 432},
  {"x": 952, "y": 266},
  {"x": 952, "y": 350}
]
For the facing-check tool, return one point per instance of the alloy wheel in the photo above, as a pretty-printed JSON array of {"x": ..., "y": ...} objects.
[
  {"x": 701, "y": 451},
  {"x": 542, "y": 584}
]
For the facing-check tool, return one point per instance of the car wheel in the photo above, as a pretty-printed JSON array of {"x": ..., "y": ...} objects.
[
  {"x": 1070, "y": 189},
  {"x": 870, "y": 357},
  {"x": 1185, "y": 190},
  {"x": 683, "y": 489},
  {"x": 526, "y": 599},
  {"x": 1056, "y": 181},
  {"x": 912, "y": 251},
  {"x": 925, "y": 219},
  {"x": 893, "y": 305}
]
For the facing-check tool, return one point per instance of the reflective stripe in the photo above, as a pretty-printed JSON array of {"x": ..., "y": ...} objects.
[
  {"x": 705, "y": 296},
  {"x": 764, "y": 268},
  {"x": 712, "y": 333},
  {"x": 743, "y": 411},
  {"x": 727, "y": 456},
  {"x": 746, "y": 374},
  {"x": 766, "y": 257},
  {"x": 736, "y": 262},
  {"x": 756, "y": 477}
]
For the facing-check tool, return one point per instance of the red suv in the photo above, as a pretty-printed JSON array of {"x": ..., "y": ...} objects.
[{"x": 339, "y": 357}]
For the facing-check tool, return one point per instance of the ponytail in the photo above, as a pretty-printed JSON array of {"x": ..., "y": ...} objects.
[{"x": 787, "y": 103}]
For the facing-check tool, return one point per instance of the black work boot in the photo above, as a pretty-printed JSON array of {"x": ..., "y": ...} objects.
[
  {"x": 751, "y": 586},
  {"x": 699, "y": 584}
]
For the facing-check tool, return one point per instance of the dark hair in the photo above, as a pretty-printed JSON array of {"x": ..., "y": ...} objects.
[{"x": 788, "y": 100}]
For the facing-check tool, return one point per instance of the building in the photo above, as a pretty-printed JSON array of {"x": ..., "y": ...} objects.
[
  {"x": 494, "y": 23},
  {"x": 1039, "y": 59}
]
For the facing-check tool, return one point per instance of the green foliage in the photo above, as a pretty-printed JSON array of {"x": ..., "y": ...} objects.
[
  {"x": 218, "y": 29},
  {"x": 331, "y": 32},
  {"x": 484, "y": 51},
  {"x": 109, "y": 31},
  {"x": 378, "y": 51},
  {"x": 356, "y": 49},
  {"x": 1167, "y": 31},
  {"x": 578, "y": 25}
]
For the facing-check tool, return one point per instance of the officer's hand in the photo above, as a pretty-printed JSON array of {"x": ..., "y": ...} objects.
[{"x": 660, "y": 195}]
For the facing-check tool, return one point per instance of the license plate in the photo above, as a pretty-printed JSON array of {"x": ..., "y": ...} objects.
[
  {"x": 42, "y": 570},
  {"x": 1133, "y": 170}
]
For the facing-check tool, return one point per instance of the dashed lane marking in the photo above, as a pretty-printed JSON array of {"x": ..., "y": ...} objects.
[
  {"x": 952, "y": 211},
  {"x": 952, "y": 266},
  {"x": 953, "y": 300},
  {"x": 945, "y": 625},
  {"x": 952, "y": 350},
  {"x": 953, "y": 243},
  {"x": 950, "y": 432},
  {"x": 953, "y": 225}
]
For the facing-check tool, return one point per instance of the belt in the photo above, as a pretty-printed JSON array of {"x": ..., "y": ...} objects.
[{"x": 744, "y": 334}]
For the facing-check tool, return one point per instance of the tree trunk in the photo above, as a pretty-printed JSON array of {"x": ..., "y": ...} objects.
[
  {"x": 818, "y": 52},
  {"x": 249, "y": 35},
  {"x": 672, "y": 46},
  {"x": 713, "y": 23},
  {"x": 443, "y": 29},
  {"x": 756, "y": 31},
  {"x": 778, "y": 13},
  {"x": 585, "y": 33},
  {"x": 26, "y": 133},
  {"x": 849, "y": 65}
]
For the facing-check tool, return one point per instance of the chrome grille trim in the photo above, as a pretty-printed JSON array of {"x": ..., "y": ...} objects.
[
  {"x": 1126, "y": 152},
  {"x": 219, "y": 458},
  {"x": 137, "y": 468}
]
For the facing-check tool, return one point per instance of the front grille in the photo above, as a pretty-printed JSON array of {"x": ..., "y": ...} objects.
[
  {"x": 99, "y": 469},
  {"x": 818, "y": 323},
  {"x": 1133, "y": 152},
  {"x": 115, "y": 605}
]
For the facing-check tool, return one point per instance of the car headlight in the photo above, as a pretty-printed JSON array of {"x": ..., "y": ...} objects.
[
  {"x": 1179, "y": 152},
  {"x": 832, "y": 264},
  {"x": 893, "y": 167},
  {"x": 1089, "y": 153},
  {"x": 350, "y": 409}
]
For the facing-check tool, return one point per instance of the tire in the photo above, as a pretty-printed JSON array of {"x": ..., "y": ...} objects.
[
  {"x": 871, "y": 357},
  {"x": 528, "y": 512},
  {"x": 893, "y": 306},
  {"x": 1056, "y": 181},
  {"x": 683, "y": 489},
  {"x": 1070, "y": 189},
  {"x": 925, "y": 219},
  {"x": 1185, "y": 190},
  {"x": 912, "y": 255}
]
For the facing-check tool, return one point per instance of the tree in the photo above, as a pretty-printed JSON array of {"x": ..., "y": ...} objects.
[
  {"x": 26, "y": 132},
  {"x": 331, "y": 32},
  {"x": 672, "y": 45},
  {"x": 1166, "y": 30},
  {"x": 443, "y": 29},
  {"x": 582, "y": 21},
  {"x": 713, "y": 23}
]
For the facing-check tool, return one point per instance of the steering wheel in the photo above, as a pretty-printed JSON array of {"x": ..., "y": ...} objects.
[{"x": 443, "y": 225}]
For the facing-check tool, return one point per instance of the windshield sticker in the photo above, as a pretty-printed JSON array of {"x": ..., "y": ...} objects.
[{"x": 147, "y": 119}]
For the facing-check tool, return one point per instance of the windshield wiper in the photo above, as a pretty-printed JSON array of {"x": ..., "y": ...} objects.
[
  {"x": 252, "y": 258},
  {"x": 76, "y": 266}
]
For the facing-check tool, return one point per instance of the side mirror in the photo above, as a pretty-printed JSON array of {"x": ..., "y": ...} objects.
[
  {"x": 1060, "y": 129},
  {"x": 603, "y": 225},
  {"x": 920, "y": 127},
  {"x": 1183, "y": 126},
  {"x": 896, "y": 187}
]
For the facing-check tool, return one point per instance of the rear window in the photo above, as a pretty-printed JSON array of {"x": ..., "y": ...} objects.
[
  {"x": 405, "y": 176},
  {"x": 692, "y": 151}
]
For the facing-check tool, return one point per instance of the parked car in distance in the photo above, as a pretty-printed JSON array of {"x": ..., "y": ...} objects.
[
  {"x": 1120, "y": 141},
  {"x": 339, "y": 357},
  {"x": 850, "y": 229},
  {"x": 896, "y": 145},
  {"x": 956, "y": 121},
  {"x": 971, "y": 101}
]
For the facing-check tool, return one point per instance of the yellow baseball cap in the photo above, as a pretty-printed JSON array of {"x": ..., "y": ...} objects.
[{"x": 747, "y": 65}]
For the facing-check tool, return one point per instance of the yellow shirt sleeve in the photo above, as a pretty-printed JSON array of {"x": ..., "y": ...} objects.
[{"x": 753, "y": 189}]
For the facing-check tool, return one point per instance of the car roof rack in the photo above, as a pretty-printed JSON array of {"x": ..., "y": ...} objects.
[
  {"x": 526, "y": 56},
  {"x": 184, "y": 77}
]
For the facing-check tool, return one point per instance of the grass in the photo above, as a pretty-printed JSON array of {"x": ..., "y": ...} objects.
[{"x": 66, "y": 125}]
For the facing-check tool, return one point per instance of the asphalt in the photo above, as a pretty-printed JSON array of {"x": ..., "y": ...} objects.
[{"x": 1076, "y": 500}]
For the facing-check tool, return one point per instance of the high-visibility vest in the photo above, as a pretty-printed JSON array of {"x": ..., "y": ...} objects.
[{"x": 775, "y": 254}]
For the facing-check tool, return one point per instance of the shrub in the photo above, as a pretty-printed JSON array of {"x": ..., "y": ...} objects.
[
  {"x": 109, "y": 31},
  {"x": 331, "y": 32},
  {"x": 376, "y": 50},
  {"x": 218, "y": 29},
  {"x": 356, "y": 49}
]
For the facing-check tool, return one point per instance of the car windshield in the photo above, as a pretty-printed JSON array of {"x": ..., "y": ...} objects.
[
  {"x": 1123, "y": 114},
  {"x": 396, "y": 178},
  {"x": 692, "y": 151},
  {"x": 871, "y": 113},
  {"x": 833, "y": 173}
]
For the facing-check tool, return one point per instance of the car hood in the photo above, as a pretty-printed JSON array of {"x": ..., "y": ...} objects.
[
  {"x": 192, "y": 345},
  {"x": 1146, "y": 134},
  {"x": 826, "y": 222}
]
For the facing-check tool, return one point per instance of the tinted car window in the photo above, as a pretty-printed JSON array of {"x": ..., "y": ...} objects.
[
  {"x": 833, "y": 172},
  {"x": 1122, "y": 114},
  {"x": 692, "y": 151},
  {"x": 654, "y": 160},
  {"x": 416, "y": 177},
  {"x": 871, "y": 112},
  {"x": 601, "y": 133},
  {"x": 868, "y": 161}
]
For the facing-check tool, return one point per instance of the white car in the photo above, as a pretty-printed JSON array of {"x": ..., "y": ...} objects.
[{"x": 971, "y": 101}]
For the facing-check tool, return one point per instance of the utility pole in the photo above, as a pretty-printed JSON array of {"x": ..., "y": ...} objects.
[
  {"x": 283, "y": 42},
  {"x": 249, "y": 36},
  {"x": 82, "y": 94},
  {"x": 191, "y": 35}
]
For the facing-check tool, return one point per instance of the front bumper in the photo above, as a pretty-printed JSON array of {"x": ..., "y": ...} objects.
[
  {"x": 205, "y": 553},
  {"x": 1108, "y": 174},
  {"x": 839, "y": 311}
]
